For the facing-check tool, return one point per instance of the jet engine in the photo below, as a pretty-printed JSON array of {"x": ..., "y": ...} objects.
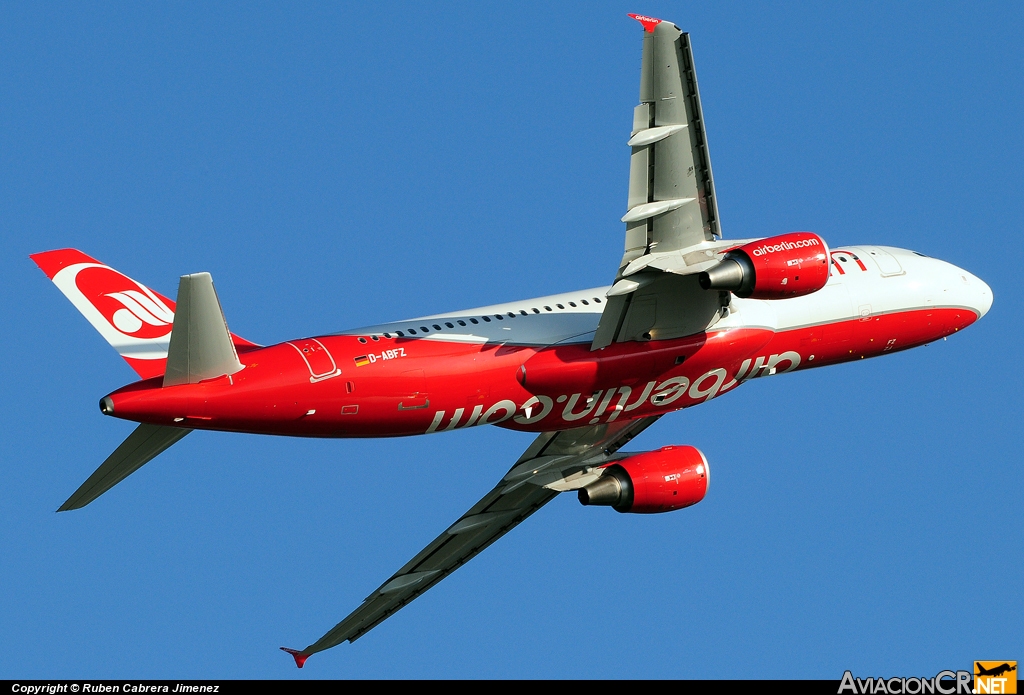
[
  {"x": 780, "y": 267},
  {"x": 670, "y": 478}
]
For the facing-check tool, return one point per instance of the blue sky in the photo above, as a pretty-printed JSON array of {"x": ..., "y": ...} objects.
[{"x": 340, "y": 165}]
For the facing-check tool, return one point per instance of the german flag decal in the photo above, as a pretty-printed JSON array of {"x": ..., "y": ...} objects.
[{"x": 362, "y": 361}]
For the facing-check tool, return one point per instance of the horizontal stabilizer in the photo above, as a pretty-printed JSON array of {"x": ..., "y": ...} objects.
[
  {"x": 139, "y": 448},
  {"x": 201, "y": 346}
]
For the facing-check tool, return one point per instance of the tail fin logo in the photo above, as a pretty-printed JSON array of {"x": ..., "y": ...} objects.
[
  {"x": 130, "y": 316},
  {"x": 132, "y": 309},
  {"x": 139, "y": 309}
]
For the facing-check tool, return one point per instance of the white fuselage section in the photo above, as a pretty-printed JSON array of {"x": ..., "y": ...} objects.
[{"x": 864, "y": 281}]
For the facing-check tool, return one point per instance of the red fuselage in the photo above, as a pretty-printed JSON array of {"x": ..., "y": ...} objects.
[{"x": 357, "y": 386}]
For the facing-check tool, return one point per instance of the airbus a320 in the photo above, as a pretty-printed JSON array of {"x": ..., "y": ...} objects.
[{"x": 689, "y": 316}]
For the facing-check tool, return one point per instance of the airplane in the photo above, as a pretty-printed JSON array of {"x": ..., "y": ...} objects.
[
  {"x": 995, "y": 670},
  {"x": 689, "y": 316}
]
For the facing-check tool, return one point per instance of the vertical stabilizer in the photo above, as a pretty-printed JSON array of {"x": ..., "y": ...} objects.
[
  {"x": 134, "y": 319},
  {"x": 201, "y": 346}
]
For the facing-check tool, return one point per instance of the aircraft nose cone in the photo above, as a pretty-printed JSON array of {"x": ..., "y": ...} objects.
[
  {"x": 968, "y": 290},
  {"x": 983, "y": 296}
]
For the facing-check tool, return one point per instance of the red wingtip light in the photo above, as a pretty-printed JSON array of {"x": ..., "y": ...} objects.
[
  {"x": 299, "y": 657},
  {"x": 648, "y": 22}
]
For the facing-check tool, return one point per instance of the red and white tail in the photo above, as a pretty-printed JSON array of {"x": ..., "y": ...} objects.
[{"x": 134, "y": 319}]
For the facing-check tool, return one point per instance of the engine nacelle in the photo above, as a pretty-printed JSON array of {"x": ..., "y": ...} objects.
[
  {"x": 780, "y": 267},
  {"x": 670, "y": 478}
]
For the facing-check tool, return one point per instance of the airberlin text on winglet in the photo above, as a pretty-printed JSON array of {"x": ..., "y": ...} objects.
[{"x": 648, "y": 22}]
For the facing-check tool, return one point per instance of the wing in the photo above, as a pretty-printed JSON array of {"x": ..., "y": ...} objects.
[
  {"x": 671, "y": 202},
  {"x": 555, "y": 462},
  {"x": 672, "y": 220}
]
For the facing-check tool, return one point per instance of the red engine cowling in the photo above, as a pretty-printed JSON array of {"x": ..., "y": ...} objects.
[
  {"x": 670, "y": 478},
  {"x": 780, "y": 267}
]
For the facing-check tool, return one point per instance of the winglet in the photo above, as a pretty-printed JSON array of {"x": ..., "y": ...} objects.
[
  {"x": 299, "y": 657},
  {"x": 648, "y": 22}
]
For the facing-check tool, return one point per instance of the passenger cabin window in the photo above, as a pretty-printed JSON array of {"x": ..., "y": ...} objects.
[
  {"x": 511, "y": 315},
  {"x": 572, "y": 304},
  {"x": 560, "y": 306},
  {"x": 436, "y": 327},
  {"x": 374, "y": 337},
  {"x": 547, "y": 308},
  {"x": 596, "y": 300},
  {"x": 424, "y": 329},
  {"x": 499, "y": 317},
  {"x": 585, "y": 302},
  {"x": 449, "y": 324},
  {"x": 487, "y": 319},
  {"x": 400, "y": 334},
  {"x": 473, "y": 321},
  {"x": 523, "y": 312},
  {"x": 462, "y": 323},
  {"x": 362, "y": 340},
  {"x": 536, "y": 311},
  {"x": 412, "y": 331}
]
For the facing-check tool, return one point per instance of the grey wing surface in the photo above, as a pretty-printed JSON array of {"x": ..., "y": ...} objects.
[
  {"x": 536, "y": 478},
  {"x": 672, "y": 223}
]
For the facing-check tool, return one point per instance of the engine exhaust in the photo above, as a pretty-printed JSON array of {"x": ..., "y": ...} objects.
[
  {"x": 613, "y": 489},
  {"x": 735, "y": 274}
]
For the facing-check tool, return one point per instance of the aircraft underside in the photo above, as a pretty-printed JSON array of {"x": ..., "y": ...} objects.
[{"x": 689, "y": 317}]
